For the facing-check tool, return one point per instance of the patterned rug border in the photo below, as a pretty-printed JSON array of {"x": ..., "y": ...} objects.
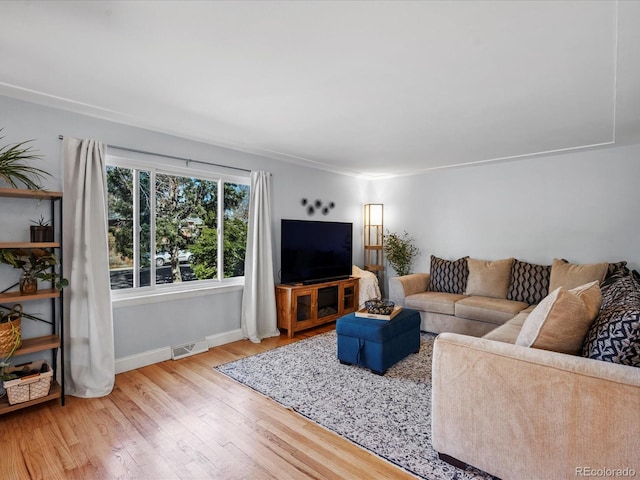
[{"x": 241, "y": 371}]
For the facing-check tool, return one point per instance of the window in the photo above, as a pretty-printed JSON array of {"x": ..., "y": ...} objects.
[{"x": 171, "y": 225}]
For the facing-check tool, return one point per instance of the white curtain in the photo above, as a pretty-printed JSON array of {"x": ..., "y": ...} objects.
[
  {"x": 88, "y": 320},
  {"x": 259, "y": 319}
]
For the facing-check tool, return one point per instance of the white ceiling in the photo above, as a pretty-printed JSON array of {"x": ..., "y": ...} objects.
[{"x": 362, "y": 87}]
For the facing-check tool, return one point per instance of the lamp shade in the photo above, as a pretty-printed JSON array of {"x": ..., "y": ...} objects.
[{"x": 373, "y": 214}]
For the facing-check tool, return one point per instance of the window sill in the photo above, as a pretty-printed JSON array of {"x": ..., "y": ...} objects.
[{"x": 121, "y": 299}]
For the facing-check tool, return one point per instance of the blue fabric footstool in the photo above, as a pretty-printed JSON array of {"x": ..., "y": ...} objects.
[{"x": 378, "y": 344}]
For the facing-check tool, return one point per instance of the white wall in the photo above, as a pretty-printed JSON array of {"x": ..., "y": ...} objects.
[
  {"x": 581, "y": 206},
  {"x": 142, "y": 328}
]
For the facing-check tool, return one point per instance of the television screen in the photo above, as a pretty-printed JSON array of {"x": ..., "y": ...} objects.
[{"x": 315, "y": 251}]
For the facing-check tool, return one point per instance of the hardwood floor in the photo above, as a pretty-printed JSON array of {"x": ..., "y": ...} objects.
[{"x": 180, "y": 420}]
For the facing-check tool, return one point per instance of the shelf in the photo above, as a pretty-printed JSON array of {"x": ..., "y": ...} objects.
[
  {"x": 37, "y": 344},
  {"x": 29, "y": 245},
  {"x": 374, "y": 268},
  {"x": 15, "y": 297},
  {"x": 373, "y": 247},
  {"x": 24, "y": 193},
  {"x": 54, "y": 392}
]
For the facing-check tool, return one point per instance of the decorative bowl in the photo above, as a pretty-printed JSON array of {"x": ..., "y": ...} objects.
[{"x": 379, "y": 307}]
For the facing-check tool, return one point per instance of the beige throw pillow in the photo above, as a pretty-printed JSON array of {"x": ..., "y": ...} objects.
[
  {"x": 489, "y": 279},
  {"x": 570, "y": 275},
  {"x": 561, "y": 320}
]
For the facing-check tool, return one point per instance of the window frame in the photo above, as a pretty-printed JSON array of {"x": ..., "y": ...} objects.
[{"x": 138, "y": 295}]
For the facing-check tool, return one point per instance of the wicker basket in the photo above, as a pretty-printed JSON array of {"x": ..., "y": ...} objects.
[
  {"x": 11, "y": 331},
  {"x": 31, "y": 387}
]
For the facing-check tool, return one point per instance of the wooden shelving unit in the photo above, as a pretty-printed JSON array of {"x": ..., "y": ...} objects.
[{"x": 46, "y": 342}]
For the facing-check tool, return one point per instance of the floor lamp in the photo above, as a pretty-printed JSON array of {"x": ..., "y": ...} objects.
[{"x": 374, "y": 241}]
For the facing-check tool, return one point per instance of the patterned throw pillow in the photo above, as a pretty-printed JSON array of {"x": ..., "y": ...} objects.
[
  {"x": 615, "y": 334},
  {"x": 618, "y": 267},
  {"x": 448, "y": 276},
  {"x": 529, "y": 282}
]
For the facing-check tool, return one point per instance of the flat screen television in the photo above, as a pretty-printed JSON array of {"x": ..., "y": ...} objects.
[{"x": 315, "y": 251}]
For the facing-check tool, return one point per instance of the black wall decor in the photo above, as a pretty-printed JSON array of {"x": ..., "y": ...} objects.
[{"x": 316, "y": 205}]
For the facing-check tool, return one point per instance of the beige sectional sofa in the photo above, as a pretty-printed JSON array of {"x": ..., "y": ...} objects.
[
  {"x": 474, "y": 297},
  {"x": 551, "y": 392},
  {"x": 524, "y": 413},
  {"x": 451, "y": 312}
]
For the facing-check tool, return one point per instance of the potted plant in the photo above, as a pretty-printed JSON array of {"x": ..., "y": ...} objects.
[
  {"x": 36, "y": 264},
  {"x": 41, "y": 231},
  {"x": 400, "y": 251},
  {"x": 13, "y": 167}
]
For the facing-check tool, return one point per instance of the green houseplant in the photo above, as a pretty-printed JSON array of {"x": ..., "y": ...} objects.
[
  {"x": 36, "y": 264},
  {"x": 400, "y": 251},
  {"x": 41, "y": 231},
  {"x": 14, "y": 168}
]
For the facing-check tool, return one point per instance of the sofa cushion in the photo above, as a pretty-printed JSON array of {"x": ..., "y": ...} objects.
[
  {"x": 436, "y": 302},
  {"x": 529, "y": 282},
  {"x": 591, "y": 295},
  {"x": 562, "y": 319},
  {"x": 615, "y": 334},
  {"x": 489, "y": 278},
  {"x": 448, "y": 276},
  {"x": 570, "y": 275},
  {"x": 508, "y": 333},
  {"x": 487, "y": 309}
]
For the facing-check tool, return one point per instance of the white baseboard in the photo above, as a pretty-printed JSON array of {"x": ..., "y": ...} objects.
[
  {"x": 139, "y": 360},
  {"x": 224, "y": 338}
]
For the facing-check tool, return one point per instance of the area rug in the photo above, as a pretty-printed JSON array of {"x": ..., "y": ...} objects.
[{"x": 388, "y": 415}]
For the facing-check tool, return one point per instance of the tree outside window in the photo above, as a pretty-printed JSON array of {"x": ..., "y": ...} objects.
[{"x": 185, "y": 218}]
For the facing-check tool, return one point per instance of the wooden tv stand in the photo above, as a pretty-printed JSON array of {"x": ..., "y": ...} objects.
[{"x": 304, "y": 306}]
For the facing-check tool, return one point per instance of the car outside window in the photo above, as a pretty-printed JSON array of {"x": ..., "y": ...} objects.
[{"x": 170, "y": 226}]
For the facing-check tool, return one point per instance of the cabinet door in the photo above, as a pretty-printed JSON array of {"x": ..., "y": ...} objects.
[
  {"x": 349, "y": 300},
  {"x": 304, "y": 305}
]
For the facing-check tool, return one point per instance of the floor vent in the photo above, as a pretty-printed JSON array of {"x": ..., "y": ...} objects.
[{"x": 188, "y": 349}]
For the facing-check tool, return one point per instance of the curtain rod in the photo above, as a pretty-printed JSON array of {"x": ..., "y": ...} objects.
[{"x": 188, "y": 160}]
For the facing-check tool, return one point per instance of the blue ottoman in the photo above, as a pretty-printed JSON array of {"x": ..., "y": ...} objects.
[{"x": 378, "y": 344}]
